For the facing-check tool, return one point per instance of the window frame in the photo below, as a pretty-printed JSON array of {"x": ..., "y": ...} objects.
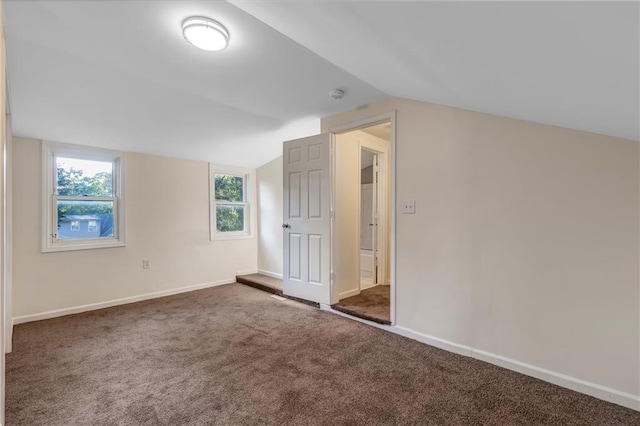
[
  {"x": 246, "y": 175},
  {"x": 50, "y": 242}
]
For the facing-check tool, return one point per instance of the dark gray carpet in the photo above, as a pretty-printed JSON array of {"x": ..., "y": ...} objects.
[
  {"x": 233, "y": 355},
  {"x": 372, "y": 304}
]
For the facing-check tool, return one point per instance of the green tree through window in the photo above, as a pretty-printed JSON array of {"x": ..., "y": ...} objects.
[
  {"x": 230, "y": 201},
  {"x": 74, "y": 182}
]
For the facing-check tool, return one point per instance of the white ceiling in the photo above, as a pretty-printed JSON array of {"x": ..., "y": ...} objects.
[{"x": 119, "y": 74}]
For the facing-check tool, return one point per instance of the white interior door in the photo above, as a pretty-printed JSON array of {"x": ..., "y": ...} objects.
[{"x": 307, "y": 218}]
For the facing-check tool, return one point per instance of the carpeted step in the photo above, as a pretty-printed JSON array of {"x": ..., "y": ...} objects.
[
  {"x": 270, "y": 285},
  {"x": 262, "y": 282}
]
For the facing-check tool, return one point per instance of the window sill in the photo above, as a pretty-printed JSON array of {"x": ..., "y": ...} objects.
[
  {"x": 78, "y": 246},
  {"x": 231, "y": 237}
]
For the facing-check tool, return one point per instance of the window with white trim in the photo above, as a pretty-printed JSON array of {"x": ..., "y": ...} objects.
[
  {"x": 229, "y": 194},
  {"x": 82, "y": 197}
]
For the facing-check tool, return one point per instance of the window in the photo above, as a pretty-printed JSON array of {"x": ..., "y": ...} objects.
[
  {"x": 229, "y": 203},
  {"x": 82, "y": 197}
]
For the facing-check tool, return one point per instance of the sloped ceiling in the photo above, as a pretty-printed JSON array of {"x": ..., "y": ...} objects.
[
  {"x": 119, "y": 74},
  {"x": 569, "y": 64}
]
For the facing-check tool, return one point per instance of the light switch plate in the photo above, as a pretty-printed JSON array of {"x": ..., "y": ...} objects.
[{"x": 409, "y": 207}]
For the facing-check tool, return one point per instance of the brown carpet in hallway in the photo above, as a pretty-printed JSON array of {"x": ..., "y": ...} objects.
[
  {"x": 372, "y": 304},
  {"x": 233, "y": 355}
]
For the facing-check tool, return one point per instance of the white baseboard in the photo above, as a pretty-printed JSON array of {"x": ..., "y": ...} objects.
[
  {"x": 270, "y": 274},
  {"x": 349, "y": 293},
  {"x": 601, "y": 392},
  {"x": 247, "y": 272},
  {"x": 597, "y": 391},
  {"x": 101, "y": 305},
  {"x": 434, "y": 341}
]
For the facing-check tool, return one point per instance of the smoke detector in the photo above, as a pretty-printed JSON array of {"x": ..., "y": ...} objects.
[{"x": 336, "y": 94}]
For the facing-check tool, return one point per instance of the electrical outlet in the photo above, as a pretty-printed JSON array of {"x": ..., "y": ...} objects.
[
  {"x": 146, "y": 263},
  {"x": 409, "y": 207}
]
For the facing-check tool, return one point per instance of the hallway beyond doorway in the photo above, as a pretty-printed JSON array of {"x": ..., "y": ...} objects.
[{"x": 371, "y": 304}]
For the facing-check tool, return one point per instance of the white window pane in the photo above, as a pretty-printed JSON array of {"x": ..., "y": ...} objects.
[
  {"x": 229, "y": 188},
  {"x": 229, "y": 218},
  {"x": 94, "y": 219},
  {"x": 84, "y": 177}
]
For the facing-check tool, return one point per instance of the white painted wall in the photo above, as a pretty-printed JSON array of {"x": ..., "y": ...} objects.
[
  {"x": 525, "y": 244},
  {"x": 167, "y": 222},
  {"x": 270, "y": 219}
]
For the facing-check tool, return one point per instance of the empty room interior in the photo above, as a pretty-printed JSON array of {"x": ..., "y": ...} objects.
[{"x": 281, "y": 212}]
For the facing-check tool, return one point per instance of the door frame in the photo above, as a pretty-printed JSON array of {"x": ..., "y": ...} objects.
[
  {"x": 375, "y": 207},
  {"x": 381, "y": 239},
  {"x": 390, "y": 117}
]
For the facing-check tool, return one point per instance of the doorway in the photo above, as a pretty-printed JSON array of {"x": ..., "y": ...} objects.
[
  {"x": 361, "y": 227},
  {"x": 321, "y": 212}
]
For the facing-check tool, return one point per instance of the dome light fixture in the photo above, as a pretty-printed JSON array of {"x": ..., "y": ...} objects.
[{"x": 205, "y": 33}]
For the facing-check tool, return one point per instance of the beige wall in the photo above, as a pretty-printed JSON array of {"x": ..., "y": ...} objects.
[
  {"x": 167, "y": 214},
  {"x": 269, "y": 178},
  {"x": 525, "y": 241}
]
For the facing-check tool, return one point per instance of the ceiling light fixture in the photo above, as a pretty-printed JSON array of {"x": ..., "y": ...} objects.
[{"x": 205, "y": 33}]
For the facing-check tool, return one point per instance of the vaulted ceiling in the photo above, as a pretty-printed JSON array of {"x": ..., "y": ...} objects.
[{"x": 119, "y": 73}]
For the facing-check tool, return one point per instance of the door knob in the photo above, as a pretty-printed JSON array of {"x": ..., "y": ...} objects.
[{"x": 286, "y": 225}]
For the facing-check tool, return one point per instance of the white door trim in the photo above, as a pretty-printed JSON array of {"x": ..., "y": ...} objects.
[{"x": 356, "y": 125}]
